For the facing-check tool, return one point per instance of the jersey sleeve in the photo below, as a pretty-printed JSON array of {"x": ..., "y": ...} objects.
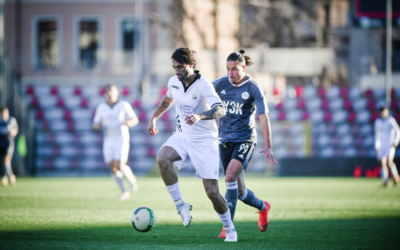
[
  {"x": 97, "y": 116},
  {"x": 169, "y": 95},
  {"x": 210, "y": 95},
  {"x": 129, "y": 113},
  {"x": 259, "y": 99},
  {"x": 396, "y": 129},
  {"x": 377, "y": 143}
]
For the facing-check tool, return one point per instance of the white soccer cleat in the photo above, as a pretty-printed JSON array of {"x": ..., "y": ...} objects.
[
  {"x": 124, "y": 196},
  {"x": 4, "y": 181},
  {"x": 185, "y": 214},
  {"x": 231, "y": 235}
]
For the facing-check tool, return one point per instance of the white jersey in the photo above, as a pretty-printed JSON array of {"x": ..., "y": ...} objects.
[
  {"x": 200, "y": 96},
  {"x": 387, "y": 132},
  {"x": 112, "y": 119}
]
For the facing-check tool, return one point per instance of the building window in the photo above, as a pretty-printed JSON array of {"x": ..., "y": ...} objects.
[
  {"x": 47, "y": 43},
  {"x": 128, "y": 40},
  {"x": 88, "y": 43}
]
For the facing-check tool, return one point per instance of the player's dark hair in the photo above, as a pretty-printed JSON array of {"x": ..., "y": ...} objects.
[
  {"x": 184, "y": 56},
  {"x": 383, "y": 108},
  {"x": 110, "y": 85},
  {"x": 240, "y": 57},
  {"x": 3, "y": 108}
]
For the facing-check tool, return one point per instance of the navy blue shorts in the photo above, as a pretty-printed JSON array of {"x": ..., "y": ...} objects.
[{"x": 241, "y": 151}]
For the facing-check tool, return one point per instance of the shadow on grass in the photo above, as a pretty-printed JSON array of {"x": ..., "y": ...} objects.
[{"x": 316, "y": 234}]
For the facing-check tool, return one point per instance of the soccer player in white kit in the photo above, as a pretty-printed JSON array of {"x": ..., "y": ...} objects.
[
  {"x": 116, "y": 117},
  {"x": 196, "y": 138},
  {"x": 387, "y": 137}
]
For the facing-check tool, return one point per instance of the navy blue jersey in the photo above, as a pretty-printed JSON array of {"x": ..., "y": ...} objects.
[
  {"x": 241, "y": 103},
  {"x": 5, "y": 128}
]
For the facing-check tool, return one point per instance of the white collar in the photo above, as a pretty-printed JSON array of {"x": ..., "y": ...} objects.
[{"x": 243, "y": 83}]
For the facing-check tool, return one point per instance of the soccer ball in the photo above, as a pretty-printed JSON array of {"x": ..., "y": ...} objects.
[{"x": 143, "y": 219}]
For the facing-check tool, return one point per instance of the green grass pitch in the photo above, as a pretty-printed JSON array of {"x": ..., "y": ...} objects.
[{"x": 306, "y": 213}]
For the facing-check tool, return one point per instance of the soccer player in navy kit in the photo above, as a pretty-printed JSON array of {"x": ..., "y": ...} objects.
[
  {"x": 242, "y": 97},
  {"x": 8, "y": 131}
]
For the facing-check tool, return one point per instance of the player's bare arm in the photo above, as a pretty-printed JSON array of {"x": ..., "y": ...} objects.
[
  {"x": 266, "y": 128},
  {"x": 164, "y": 105},
  {"x": 132, "y": 122},
  {"x": 14, "y": 132},
  {"x": 214, "y": 113}
]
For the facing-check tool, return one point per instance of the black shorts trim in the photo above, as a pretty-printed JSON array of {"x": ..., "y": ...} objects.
[{"x": 241, "y": 151}]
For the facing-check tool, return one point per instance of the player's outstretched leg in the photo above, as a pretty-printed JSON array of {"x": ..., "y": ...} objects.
[
  {"x": 384, "y": 172},
  {"x": 221, "y": 207},
  {"x": 126, "y": 170},
  {"x": 395, "y": 174},
  {"x": 165, "y": 159},
  {"x": 250, "y": 199},
  {"x": 9, "y": 172}
]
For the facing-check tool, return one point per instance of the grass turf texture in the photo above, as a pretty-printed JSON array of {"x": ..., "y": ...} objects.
[{"x": 306, "y": 213}]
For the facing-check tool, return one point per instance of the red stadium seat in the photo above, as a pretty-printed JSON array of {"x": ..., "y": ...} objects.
[
  {"x": 60, "y": 103},
  {"x": 394, "y": 105},
  {"x": 39, "y": 114},
  {"x": 164, "y": 91},
  {"x": 165, "y": 116},
  {"x": 301, "y": 104},
  {"x": 84, "y": 103},
  {"x": 78, "y": 91},
  {"x": 347, "y": 104},
  {"x": 344, "y": 92},
  {"x": 325, "y": 104},
  {"x": 371, "y": 105},
  {"x": 275, "y": 91},
  {"x": 328, "y": 117},
  {"x": 279, "y": 106},
  {"x": 30, "y": 90},
  {"x": 169, "y": 127},
  {"x": 397, "y": 117},
  {"x": 54, "y": 90},
  {"x": 374, "y": 116},
  {"x": 137, "y": 104},
  {"x": 321, "y": 92},
  {"x": 142, "y": 116},
  {"x": 151, "y": 152},
  {"x": 67, "y": 115},
  {"x": 306, "y": 116},
  {"x": 369, "y": 93},
  {"x": 352, "y": 117},
  {"x": 299, "y": 91},
  {"x": 35, "y": 103},
  {"x": 101, "y": 91},
  {"x": 70, "y": 126},
  {"x": 125, "y": 91},
  {"x": 281, "y": 116}
]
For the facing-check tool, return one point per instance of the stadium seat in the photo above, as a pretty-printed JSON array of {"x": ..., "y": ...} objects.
[
  {"x": 101, "y": 91},
  {"x": 363, "y": 116},
  {"x": 34, "y": 103},
  {"x": 66, "y": 91},
  {"x": 366, "y": 129},
  {"x": 299, "y": 91},
  {"x": 369, "y": 93},
  {"x": 60, "y": 103},
  {"x": 339, "y": 116},
  {"x": 374, "y": 116},
  {"x": 324, "y": 140},
  {"x": 352, "y": 117},
  {"x": 83, "y": 125},
  {"x": 58, "y": 125},
  {"x": 368, "y": 142},
  {"x": 84, "y": 103},
  {"x": 78, "y": 91},
  {"x": 281, "y": 116},
  {"x": 309, "y": 92},
  {"x": 305, "y": 116},
  {"x": 53, "y": 114},
  {"x": 333, "y": 92},
  {"x": 48, "y": 101},
  {"x": 89, "y": 138},
  {"x": 344, "y": 92},
  {"x": 92, "y": 151},
  {"x": 62, "y": 138},
  {"x": 355, "y": 92},
  {"x": 72, "y": 102},
  {"x": 316, "y": 116},
  {"x": 327, "y": 152},
  {"x": 137, "y": 104},
  {"x": 328, "y": 116},
  {"x": 336, "y": 104},
  {"x": 54, "y": 90},
  {"x": 380, "y": 103},
  {"x": 347, "y": 105},
  {"x": 301, "y": 104},
  {"x": 379, "y": 93},
  {"x": 79, "y": 114},
  {"x": 394, "y": 105},
  {"x": 67, "y": 115},
  {"x": 371, "y": 105},
  {"x": 30, "y": 90},
  {"x": 294, "y": 115},
  {"x": 349, "y": 152},
  {"x": 321, "y": 92},
  {"x": 290, "y": 104},
  {"x": 343, "y": 129},
  {"x": 359, "y": 104},
  {"x": 346, "y": 141},
  {"x": 125, "y": 91},
  {"x": 314, "y": 103},
  {"x": 151, "y": 152}
]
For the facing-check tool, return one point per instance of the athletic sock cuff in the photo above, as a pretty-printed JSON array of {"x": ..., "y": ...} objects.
[
  {"x": 244, "y": 195},
  {"x": 173, "y": 187},
  {"x": 231, "y": 185}
]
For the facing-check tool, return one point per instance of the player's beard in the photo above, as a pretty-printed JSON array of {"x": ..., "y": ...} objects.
[{"x": 184, "y": 76}]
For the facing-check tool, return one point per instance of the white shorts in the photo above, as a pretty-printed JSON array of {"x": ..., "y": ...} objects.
[
  {"x": 204, "y": 155},
  {"x": 385, "y": 150},
  {"x": 116, "y": 151}
]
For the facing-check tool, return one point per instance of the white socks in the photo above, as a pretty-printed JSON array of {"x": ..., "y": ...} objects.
[
  {"x": 385, "y": 174},
  {"x": 9, "y": 169},
  {"x": 226, "y": 220},
  {"x": 126, "y": 170},
  {"x": 119, "y": 179},
  {"x": 175, "y": 193},
  {"x": 394, "y": 170}
]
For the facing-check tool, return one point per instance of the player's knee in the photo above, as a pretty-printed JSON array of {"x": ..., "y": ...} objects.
[
  {"x": 230, "y": 177},
  {"x": 390, "y": 163},
  {"x": 212, "y": 194},
  {"x": 162, "y": 161}
]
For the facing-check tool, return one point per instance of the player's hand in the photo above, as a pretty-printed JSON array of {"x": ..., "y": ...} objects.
[
  {"x": 269, "y": 155},
  {"x": 152, "y": 127},
  {"x": 192, "y": 119}
]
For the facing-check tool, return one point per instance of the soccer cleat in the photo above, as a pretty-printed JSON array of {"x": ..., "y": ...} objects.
[
  {"x": 4, "y": 181},
  {"x": 396, "y": 180},
  {"x": 13, "y": 180},
  {"x": 222, "y": 234},
  {"x": 124, "y": 196},
  {"x": 134, "y": 188},
  {"x": 185, "y": 214},
  {"x": 263, "y": 218},
  {"x": 231, "y": 235}
]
